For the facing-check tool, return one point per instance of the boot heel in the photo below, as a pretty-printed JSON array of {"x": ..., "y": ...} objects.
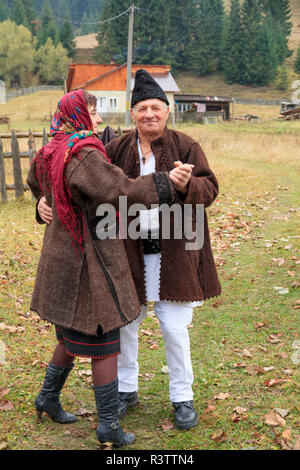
[{"x": 39, "y": 415}]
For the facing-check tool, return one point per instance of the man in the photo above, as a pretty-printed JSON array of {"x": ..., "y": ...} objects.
[{"x": 164, "y": 271}]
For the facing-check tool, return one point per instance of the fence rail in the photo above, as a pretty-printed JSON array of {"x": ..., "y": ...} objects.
[{"x": 27, "y": 91}]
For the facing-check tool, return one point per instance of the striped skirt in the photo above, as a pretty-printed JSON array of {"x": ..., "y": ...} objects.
[{"x": 95, "y": 347}]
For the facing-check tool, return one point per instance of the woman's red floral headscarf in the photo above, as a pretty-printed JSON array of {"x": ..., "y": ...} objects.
[{"x": 72, "y": 130}]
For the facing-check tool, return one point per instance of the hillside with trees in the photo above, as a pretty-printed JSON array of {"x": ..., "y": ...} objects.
[{"x": 243, "y": 42}]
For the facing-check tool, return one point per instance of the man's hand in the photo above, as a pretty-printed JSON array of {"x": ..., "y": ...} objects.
[
  {"x": 44, "y": 210},
  {"x": 181, "y": 175}
]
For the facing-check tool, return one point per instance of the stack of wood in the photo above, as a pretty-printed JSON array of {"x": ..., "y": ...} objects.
[
  {"x": 291, "y": 114},
  {"x": 248, "y": 117},
  {"x": 4, "y": 120}
]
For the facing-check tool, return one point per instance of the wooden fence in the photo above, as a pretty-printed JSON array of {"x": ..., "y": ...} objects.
[{"x": 15, "y": 154}]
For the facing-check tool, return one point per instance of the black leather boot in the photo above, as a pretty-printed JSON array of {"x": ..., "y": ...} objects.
[
  {"x": 185, "y": 415},
  {"x": 48, "y": 398},
  {"x": 109, "y": 429},
  {"x": 126, "y": 400}
]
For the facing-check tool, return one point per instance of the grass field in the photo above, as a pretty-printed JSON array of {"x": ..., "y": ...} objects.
[{"x": 245, "y": 343}]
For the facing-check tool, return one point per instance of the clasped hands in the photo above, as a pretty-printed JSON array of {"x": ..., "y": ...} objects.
[{"x": 180, "y": 175}]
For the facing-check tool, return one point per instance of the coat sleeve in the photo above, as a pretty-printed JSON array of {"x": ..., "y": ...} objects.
[
  {"x": 93, "y": 181},
  {"x": 203, "y": 186},
  {"x": 33, "y": 182}
]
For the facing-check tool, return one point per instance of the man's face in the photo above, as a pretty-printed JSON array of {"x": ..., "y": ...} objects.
[{"x": 150, "y": 116}]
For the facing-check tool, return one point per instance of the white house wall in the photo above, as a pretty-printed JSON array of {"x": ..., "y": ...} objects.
[{"x": 120, "y": 97}]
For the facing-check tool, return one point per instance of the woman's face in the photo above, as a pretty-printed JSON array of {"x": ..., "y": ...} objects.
[{"x": 95, "y": 118}]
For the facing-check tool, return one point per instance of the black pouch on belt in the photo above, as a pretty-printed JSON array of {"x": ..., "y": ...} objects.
[{"x": 151, "y": 245}]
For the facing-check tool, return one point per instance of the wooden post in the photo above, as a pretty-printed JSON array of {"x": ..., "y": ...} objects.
[
  {"x": 45, "y": 137},
  {"x": 32, "y": 149},
  {"x": 19, "y": 189},
  {"x": 31, "y": 146},
  {"x": 2, "y": 175}
]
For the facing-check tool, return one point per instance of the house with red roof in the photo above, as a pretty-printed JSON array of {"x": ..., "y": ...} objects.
[{"x": 108, "y": 83}]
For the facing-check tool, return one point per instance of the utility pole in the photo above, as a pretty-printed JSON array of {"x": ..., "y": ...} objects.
[{"x": 129, "y": 62}]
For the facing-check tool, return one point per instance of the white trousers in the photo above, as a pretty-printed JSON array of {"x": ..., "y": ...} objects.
[{"x": 174, "y": 319}]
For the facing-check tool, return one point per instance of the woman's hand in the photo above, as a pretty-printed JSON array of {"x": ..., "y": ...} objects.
[
  {"x": 180, "y": 175},
  {"x": 44, "y": 210}
]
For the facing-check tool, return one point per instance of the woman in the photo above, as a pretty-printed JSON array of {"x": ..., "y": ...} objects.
[{"x": 83, "y": 284}]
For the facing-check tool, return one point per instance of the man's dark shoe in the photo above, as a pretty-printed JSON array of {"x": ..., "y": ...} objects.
[
  {"x": 185, "y": 415},
  {"x": 126, "y": 400}
]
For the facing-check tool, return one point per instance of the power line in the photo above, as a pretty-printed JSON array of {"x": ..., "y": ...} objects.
[{"x": 81, "y": 22}]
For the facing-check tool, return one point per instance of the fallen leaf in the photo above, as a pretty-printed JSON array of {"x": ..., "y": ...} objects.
[
  {"x": 240, "y": 410},
  {"x": 4, "y": 391},
  {"x": 246, "y": 353},
  {"x": 210, "y": 409},
  {"x": 147, "y": 332},
  {"x": 282, "y": 412},
  {"x": 222, "y": 396},
  {"x": 220, "y": 436},
  {"x": 6, "y": 406},
  {"x": 273, "y": 339},
  {"x": 167, "y": 425},
  {"x": 272, "y": 382},
  {"x": 84, "y": 412},
  {"x": 274, "y": 419},
  {"x": 154, "y": 346},
  {"x": 164, "y": 370},
  {"x": 259, "y": 324},
  {"x": 287, "y": 433},
  {"x": 239, "y": 364}
]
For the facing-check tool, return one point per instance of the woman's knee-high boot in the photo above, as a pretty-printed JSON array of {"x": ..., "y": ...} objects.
[
  {"x": 48, "y": 398},
  {"x": 109, "y": 429}
]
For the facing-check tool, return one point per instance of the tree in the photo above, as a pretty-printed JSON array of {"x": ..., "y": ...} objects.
[
  {"x": 16, "y": 55},
  {"x": 202, "y": 53},
  {"x": 281, "y": 13},
  {"x": 252, "y": 55},
  {"x": 112, "y": 36},
  {"x": 67, "y": 36},
  {"x": 297, "y": 61},
  {"x": 283, "y": 79},
  {"x": 48, "y": 27},
  {"x": 233, "y": 49},
  {"x": 18, "y": 13},
  {"x": 51, "y": 62}
]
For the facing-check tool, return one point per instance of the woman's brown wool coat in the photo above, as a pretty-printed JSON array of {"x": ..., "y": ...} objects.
[
  {"x": 185, "y": 275},
  {"x": 85, "y": 290}
]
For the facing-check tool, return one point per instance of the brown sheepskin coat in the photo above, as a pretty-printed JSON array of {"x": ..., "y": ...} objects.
[{"x": 186, "y": 275}]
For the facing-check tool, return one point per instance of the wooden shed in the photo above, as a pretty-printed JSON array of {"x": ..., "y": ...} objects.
[{"x": 206, "y": 105}]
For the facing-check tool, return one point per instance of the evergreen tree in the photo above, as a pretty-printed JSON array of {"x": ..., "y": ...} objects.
[
  {"x": 283, "y": 79},
  {"x": 233, "y": 45},
  {"x": 5, "y": 7},
  {"x": 112, "y": 36},
  {"x": 281, "y": 12},
  {"x": 30, "y": 14},
  {"x": 202, "y": 54},
  {"x": 67, "y": 36},
  {"x": 48, "y": 27},
  {"x": 297, "y": 61},
  {"x": 180, "y": 32},
  {"x": 18, "y": 13},
  {"x": 152, "y": 38},
  {"x": 269, "y": 50},
  {"x": 252, "y": 55}
]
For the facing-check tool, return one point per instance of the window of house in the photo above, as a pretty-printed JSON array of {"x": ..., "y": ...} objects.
[{"x": 113, "y": 103}]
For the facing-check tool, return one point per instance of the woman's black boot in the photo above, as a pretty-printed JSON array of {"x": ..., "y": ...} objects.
[
  {"x": 48, "y": 398},
  {"x": 109, "y": 429}
]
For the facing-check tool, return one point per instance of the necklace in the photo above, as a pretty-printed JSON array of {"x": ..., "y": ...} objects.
[{"x": 144, "y": 157}]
